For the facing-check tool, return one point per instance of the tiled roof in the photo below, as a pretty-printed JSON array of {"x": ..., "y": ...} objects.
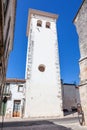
[{"x": 15, "y": 80}]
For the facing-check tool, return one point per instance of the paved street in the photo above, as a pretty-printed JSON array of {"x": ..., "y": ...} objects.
[
  {"x": 33, "y": 125},
  {"x": 69, "y": 123}
]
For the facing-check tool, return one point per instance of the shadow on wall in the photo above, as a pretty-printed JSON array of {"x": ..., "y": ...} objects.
[{"x": 66, "y": 112}]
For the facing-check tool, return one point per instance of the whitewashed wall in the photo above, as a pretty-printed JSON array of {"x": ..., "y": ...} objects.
[
  {"x": 43, "y": 89},
  {"x": 15, "y": 96}
]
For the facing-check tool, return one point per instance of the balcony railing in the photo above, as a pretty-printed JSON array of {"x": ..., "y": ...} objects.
[{"x": 7, "y": 94}]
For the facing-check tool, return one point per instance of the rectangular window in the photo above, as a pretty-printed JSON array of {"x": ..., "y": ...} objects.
[
  {"x": 7, "y": 88},
  {"x": 20, "y": 88},
  {"x": 16, "y": 108}
]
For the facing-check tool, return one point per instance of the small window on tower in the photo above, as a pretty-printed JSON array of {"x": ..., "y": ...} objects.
[
  {"x": 39, "y": 23},
  {"x": 47, "y": 24},
  {"x": 41, "y": 68}
]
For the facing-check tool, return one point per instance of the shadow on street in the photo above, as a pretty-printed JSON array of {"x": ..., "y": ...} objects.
[{"x": 34, "y": 125}]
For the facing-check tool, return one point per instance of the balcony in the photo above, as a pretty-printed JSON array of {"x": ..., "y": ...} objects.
[{"x": 7, "y": 94}]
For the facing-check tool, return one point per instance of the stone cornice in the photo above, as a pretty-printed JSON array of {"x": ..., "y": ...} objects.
[
  {"x": 81, "y": 59},
  {"x": 84, "y": 82}
]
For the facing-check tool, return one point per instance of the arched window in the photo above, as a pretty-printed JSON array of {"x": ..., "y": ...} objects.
[
  {"x": 39, "y": 23},
  {"x": 47, "y": 24}
]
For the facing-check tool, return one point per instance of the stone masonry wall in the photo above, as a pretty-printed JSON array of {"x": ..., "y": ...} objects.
[{"x": 81, "y": 26}]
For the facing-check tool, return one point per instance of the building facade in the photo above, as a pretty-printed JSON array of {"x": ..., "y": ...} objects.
[
  {"x": 7, "y": 21},
  {"x": 43, "y": 85},
  {"x": 14, "y": 90},
  {"x": 81, "y": 26},
  {"x": 71, "y": 97}
]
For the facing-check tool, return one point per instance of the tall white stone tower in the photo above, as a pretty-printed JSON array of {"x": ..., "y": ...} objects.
[{"x": 43, "y": 86}]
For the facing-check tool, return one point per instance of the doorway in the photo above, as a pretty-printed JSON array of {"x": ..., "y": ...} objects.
[{"x": 16, "y": 108}]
